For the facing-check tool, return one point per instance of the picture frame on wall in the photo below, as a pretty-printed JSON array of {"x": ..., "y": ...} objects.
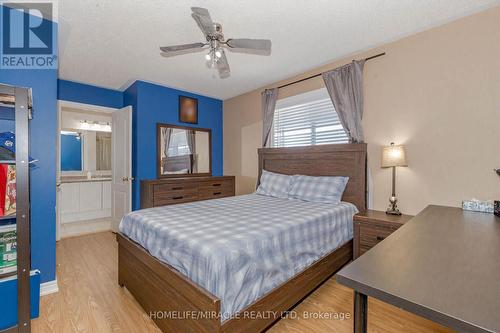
[{"x": 188, "y": 110}]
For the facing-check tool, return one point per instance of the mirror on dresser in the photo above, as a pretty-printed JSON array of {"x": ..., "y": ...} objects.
[{"x": 183, "y": 151}]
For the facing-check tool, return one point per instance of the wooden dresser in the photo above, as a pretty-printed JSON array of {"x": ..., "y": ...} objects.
[
  {"x": 169, "y": 191},
  {"x": 372, "y": 226}
]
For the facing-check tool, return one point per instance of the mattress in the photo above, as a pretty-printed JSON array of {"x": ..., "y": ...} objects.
[{"x": 240, "y": 248}]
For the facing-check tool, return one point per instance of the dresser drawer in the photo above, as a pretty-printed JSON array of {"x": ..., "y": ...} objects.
[
  {"x": 371, "y": 236},
  {"x": 172, "y": 191},
  {"x": 175, "y": 198},
  {"x": 168, "y": 188},
  {"x": 373, "y": 226},
  {"x": 223, "y": 185},
  {"x": 216, "y": 192}
]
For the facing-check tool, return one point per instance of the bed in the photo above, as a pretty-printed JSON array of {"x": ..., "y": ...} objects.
[
  {"x": 178, "y": 164},
  {"x": 211, "y": 258}
]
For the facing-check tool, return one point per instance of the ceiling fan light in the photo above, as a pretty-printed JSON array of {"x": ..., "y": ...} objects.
[
  {"x": 218, "y": 53},
  {"x": 208, "y": 57},
  {"x": 212, "y": 63}
]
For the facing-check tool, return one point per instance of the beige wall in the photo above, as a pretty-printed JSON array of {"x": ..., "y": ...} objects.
[{"x": 437, "y": 92}]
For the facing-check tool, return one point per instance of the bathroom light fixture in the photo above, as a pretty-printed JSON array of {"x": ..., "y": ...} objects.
[
  {"x": 95, "y": 126},
  {"x": 69, "y": 133}
]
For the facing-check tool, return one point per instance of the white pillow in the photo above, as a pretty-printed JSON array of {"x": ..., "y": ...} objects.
[
  {"x": 274, "y": 184},
  {"x": 318, "y": 189}
]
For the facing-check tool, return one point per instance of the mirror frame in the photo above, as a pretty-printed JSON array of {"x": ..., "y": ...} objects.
[{"x": 158, "y": 152}]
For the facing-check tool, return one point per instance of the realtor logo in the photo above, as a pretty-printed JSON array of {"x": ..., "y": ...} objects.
[{"x": 28, "y": 35}]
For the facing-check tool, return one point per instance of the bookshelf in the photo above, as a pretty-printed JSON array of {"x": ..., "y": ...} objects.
[{"x": 19, "y": 99}]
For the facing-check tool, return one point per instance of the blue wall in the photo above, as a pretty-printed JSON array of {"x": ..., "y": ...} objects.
[
  {"x": 154, "y": 104},
  {"x": 6, "y": 119},
  {"x": 43, "y": 128},
  {"x": 71, "y": 153},
  {"x": 151, "y": 104},
  {"x": 88, "y": 94}
]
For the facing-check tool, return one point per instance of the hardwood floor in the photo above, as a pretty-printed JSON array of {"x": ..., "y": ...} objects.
[{"x": 90, "y": 300}]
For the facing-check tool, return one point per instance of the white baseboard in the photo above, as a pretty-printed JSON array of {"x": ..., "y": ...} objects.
[
  {"x": 49, "y": 287},
  {"x": 84, "y": 227},
  {"x": 114, "y": 225},
  {"x": 85, "y": 216}
]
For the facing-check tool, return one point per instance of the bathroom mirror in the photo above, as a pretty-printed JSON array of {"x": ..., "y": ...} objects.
[
  {"x": 183, "y": 151},
  {"x": 85, "y": 150},
  {"x": 71, "y": 151}
]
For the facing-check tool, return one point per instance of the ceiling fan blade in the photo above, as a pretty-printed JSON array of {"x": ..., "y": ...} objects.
[
  {"x": 202, "y": 17},
  {"x": 200, "y": 11},
  {"x": 223, "y": 66},
  {"x": 252, "y": 44},
  {"x": 182, "y": 47}
]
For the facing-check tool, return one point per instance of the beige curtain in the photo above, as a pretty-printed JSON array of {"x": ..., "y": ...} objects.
[
  {"x": 269, "y": 97},
  {"x": 103, "y": 151},
  {"x": 345, "y": 86},
  {"x": 191, "y": 142},
  {"x": 166, "y": 134}
]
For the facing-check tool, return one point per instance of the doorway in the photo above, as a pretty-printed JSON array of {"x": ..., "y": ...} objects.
[{"x": 94, "y": 168}]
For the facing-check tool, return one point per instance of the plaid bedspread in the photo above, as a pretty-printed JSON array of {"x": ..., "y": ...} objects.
[{"x": 239, "y": 248}]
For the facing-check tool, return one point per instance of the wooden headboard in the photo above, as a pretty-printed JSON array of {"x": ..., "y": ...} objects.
[
  {"x": 176, "y": 163},
  {"x": 322, "y": 160}
]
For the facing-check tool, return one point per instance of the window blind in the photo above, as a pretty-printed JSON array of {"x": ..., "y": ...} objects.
[{"x": 307, "y": 119}]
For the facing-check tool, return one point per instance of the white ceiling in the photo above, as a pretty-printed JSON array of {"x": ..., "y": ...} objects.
[{"x": 111, "y": 43}]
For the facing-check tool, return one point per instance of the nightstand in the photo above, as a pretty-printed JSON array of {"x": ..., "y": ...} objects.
[{"x": 372, "y": 226}]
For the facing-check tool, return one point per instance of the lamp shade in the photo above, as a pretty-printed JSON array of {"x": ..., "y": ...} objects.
[{"x": 393, "y": 156}]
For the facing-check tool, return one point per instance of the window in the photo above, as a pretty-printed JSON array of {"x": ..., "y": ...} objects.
[
  {"x": 307, "y": 119},
  {"x": 178, "y": 143}
]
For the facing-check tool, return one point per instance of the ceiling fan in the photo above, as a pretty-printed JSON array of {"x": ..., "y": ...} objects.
[{"x": 216, "y": 58}]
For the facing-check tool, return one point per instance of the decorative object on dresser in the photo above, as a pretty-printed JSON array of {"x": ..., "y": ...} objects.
[
  {"x": 183, "y": 151},
  {"x": 497, "y": 208},
  {"x": 161, "y": 192},
  {"x": 476, "y": 205},
  {"x": 392, "y": 157},
  {"x": 372, "y": 227}
]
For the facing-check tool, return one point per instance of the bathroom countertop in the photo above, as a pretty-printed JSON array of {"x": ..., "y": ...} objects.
[{"x": 83, "y": 179}]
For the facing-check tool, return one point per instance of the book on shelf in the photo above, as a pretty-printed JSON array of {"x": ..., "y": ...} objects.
[
  {"x": 7, "y": 190},
  {"x": 8, "y": 249}
]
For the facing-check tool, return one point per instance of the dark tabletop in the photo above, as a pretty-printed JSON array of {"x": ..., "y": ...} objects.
[{"x": 444, "y": 264}]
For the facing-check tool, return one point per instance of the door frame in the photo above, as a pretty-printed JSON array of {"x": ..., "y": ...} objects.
[{"x": 85, "y": 108}]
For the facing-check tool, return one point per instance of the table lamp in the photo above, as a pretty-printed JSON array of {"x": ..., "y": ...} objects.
[{"x": 392, "y": 157}]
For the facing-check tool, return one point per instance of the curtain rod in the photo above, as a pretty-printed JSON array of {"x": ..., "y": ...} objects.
[{"x": 313, "y": 76}]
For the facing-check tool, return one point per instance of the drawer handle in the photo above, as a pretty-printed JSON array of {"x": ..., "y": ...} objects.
[
  {"x": 177, "y": 188},
  {"x": 177, "y": 198},
  {"x": 217, "y": 193},
  {"x": 216, "y": 184},
  {"x": 380, "y": 238}
]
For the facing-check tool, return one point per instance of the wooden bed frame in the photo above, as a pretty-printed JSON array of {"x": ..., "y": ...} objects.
[{"x": 176, "y": 304}]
